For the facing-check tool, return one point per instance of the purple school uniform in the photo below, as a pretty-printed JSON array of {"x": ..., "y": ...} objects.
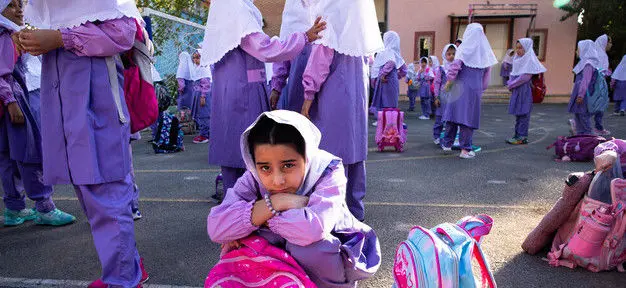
[
  {"x": 463, "y": 103},
  {"x": 386, "y": 93},
  {"x": 521, "y": 103},
  {"x": 585, "y": 80},
  {"x": 87, "y": 144},
  {"x": 293, "y": 96},
  {"x": 335, "y": 84},
  {"x": 202, "y": 114},
  {"x": 440, "y": 80},
  {"x": 20, "y": 144},
  {"x": 333, "y": 247},
  {"x": 424, "y": 93},
  {"x": 619, "y": 95},
  {"x": 505, "y": 72},
  {"x": 185, "y": 94},
  {"x": 239, "y": 95}
]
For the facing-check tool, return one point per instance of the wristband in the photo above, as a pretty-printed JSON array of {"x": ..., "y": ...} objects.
[{"x": 268, "y": 202}]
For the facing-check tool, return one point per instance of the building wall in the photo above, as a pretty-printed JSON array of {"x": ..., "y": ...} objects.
[
  {"x": 272, "y": 11},
  {"x": 409, "y": 16}
]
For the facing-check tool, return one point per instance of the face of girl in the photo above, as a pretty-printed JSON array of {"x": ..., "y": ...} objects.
[
  {"x": 14, "y": 12},
  {"x": 280, "y": 167},
  {"x": 196, "y": 58},
  {"x": 450, "y": 55},
  {"x": 423, "y": 64},
  {"x": 609, "y": 44},
  {"x": 519, "y": 49}
]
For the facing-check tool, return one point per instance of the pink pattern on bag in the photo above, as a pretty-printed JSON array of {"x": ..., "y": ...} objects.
[
  {"x": 257, "y": 264},
  {"x": 390, "y": 129}
]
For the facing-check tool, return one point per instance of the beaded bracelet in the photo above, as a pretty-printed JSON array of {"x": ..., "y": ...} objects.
[{"x": 268, "y": 202}]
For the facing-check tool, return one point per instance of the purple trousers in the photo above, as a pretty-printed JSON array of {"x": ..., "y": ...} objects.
[
  {"x": 620, "y": 106},
  {"x": 583, "y": 124},
  {"x": 412, "y": 94},
  {"x": 230, "y": 176},
  {"x": 355, "y": 190},
  {"x": 522, "y": 122},
  {"x": 426, "y": 106},
  {"x": 107, "y": 207},
  {"x": 437, "y": 127},
  {"x": 204, "y": 124},
  {"x": 465, "y": 138},
  {"x": 17, "y": 177},
  {"x": 599, "y": 119}
]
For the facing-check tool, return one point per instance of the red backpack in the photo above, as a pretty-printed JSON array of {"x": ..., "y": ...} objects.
[{"x": 538, "y": 88}]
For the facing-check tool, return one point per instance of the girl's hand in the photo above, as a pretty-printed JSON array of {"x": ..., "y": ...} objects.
[
  {"x": 274, "y": 99},
  {"x": 448, "y": 85},
  {"x": 579, "y": 100},
  {"x": 41, "y": 41},
  {"x": 16, "y": 41},
  {"x": 17, "y": 117},
  {"x": 306, "y": 106},
  {"x": 234, "y": 245},
  {"x": 437, "y": 102},
  {"x": 605, "y": 161},
  {"x": 285, "y": 201},
  {"x": 384, "y": 79},
  {"x": 313, "y": 33},
  {"x": 202, "y": 101}
]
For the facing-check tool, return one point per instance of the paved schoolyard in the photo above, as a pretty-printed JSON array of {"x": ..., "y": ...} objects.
[{"x": 422, "y": 186}]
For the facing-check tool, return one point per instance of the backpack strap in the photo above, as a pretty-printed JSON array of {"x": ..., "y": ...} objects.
[
  {"x": 477, "y": 226},
  {"x": 485, "y": 272},
  {"x": 115, "y": 87}
]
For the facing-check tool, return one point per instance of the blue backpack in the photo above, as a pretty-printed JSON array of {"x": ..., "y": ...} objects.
[
  {"x": 598, "y": 101},
  {"x": 169, "y": 138},
  {"x": 445, "y": 256}
]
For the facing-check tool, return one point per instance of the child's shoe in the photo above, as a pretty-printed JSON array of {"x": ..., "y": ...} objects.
[
  {"x": 572, "y": 126},
  {"x": 446, "y": 149},
  {"x": 144, "y": 278},
  {"x": 437, "y": 141},
  {"x": 55, "y": 217},
  {"x": 602, "y": 132},
  {"x": 15, "y": 218},
  {"x": 200, "y": 139},
  {"x": 424, "y": 117},
  {"x": 136, "y": 214},
  {"x": 467, "y": 155},
  {"x": 375, "y": 124},
  {"x": 616, "y": 113},
  {"x": 621, "y": 113},
  {"x": 517, "y": 141}
]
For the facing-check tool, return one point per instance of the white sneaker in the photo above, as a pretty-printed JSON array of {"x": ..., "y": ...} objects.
[
  {"x": 375, "y": 124},
  {"x": 446, "y": 149},
  {"x": 437, "y": 141},
  {"x": 424, "y": 118},
  {"x": 136, "y": 215},
  {"x": 467, "y": 155}
]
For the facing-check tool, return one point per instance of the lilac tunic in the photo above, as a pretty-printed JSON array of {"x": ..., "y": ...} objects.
[
  {"x": 239, "y": 92},
  {"x": 322, "y": 230},
  {"x": 386, "y": 93},
  {"x": 86, "y": 143},
  {"x": 334, "y": 82},
  {"x": 439, "y": 82},
  {"x": 201, "y": 114},
  {"x": 585, "y": 80},
  {"x": 522, "y": 97},
  {"x": 619, "y": 92},
  {"x": 294, "y": 93},
  {"x": 506, "y": 69},
  {"x": 424, "y": 81},
  {"x": 185, "y": 94},
  {"x": 463, "y": 100}
]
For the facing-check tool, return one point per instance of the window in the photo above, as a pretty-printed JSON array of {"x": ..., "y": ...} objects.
[
  {"x": 424, "y": 44},
  {"x": 540, "y": 42}
]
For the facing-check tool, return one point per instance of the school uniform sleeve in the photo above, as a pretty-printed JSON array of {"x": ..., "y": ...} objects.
[
  {"x": 267, "y": 49},
  {"x": 584, "y": 83},
  {"x": 437, "y": 82},
  {"x": 310, "y": 224},
  {"x": 7, "y": 64},
  {"x": 232, "y": 220},
  {"x": 402, "y": 71},
  {"x": 522, "y": 79},
  {"x": 455, "y": 68},
  {"x": 108, "y": 38},
  {"x": 280, "y": 75},
  {"x": 317, "y": 70},
  {"x": 429, "y": 76},
  {"x": 386, "y": 69},
  {"x": 205, "y": 86},
  {"x": 616, "y": 145}
]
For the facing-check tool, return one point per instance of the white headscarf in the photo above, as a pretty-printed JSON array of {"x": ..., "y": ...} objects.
[
  {"x": 620, "y": 71},
  {"x": 435, "y": 61},
  {"x": 588, "y": 54},
  {"x": 317, "y": 160},
  {"x": 529, "y": 63},
  {"x": 56, "y": 14},
  {"x": 351, "y": 25},
  {"x": 445, "y": 62},
  {"x": 507, "y": 57},
  {"x": 391, "y": 52},
  {"x": 475, "y": 50},
  {"x": 603, "y": 58},
  {"x": 4, "y": 22},
  {"x": 198, "y": 72},
  {"x": 229, "y": 21},
  {"x": 430, "y": 70},
  {"x": 184, "y": 64}
]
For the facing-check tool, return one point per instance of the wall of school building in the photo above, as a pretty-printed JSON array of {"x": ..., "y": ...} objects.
[{"x": 430, "y": 18}]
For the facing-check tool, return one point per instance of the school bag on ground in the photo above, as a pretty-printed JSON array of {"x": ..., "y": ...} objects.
[
  {"x": 445, "y": 256},
  {"x": 187, "y": 124},
  {"x": 169, "y": 138},
  {"x": 593, "y": 236},
  {"x": 598, "y": 101},
  {"x": 390, "y": 129},
  {"x": 577, "y": 148},
  {"x": 538, "y": 86},
  {"x": 257, "y": 264}
]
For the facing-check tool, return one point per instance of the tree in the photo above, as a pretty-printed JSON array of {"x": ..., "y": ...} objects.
[{"x": 601, "y": 17}]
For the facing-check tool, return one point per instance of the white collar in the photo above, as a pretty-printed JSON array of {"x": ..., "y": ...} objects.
[{"x": 528, "y": 63}]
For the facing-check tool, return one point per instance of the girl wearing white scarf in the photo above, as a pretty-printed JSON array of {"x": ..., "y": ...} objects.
[
  {"x": 618, "y": 83},
  {"x": 585, "y": 78},
  {"x": 525, "y": 65},
  {"x": 201, "y": 108},
  {"x": 388, "y": 69},
  {"x": 447, "y": 56},
  {"x": 603, "y": 44}
]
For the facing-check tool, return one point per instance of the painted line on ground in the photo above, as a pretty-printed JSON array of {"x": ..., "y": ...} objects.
[
  {"x": 28, "y": 283},
  {"x": 394, "y": 204}
]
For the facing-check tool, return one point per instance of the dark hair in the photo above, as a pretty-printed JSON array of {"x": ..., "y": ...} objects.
[
  {"x": 458, "y": 41},
  {"x": 268, "y": 131},
  {"x": 424, "y": 60},
  {"x": 451, "y": 47}
]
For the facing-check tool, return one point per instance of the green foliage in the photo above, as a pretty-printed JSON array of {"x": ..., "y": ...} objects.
[{"x": 601, "y": 17}]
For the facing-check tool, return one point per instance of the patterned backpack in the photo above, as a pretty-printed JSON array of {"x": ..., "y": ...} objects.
[
  {"x": 169, "y": 138},
  {"x": 598, "y": 101},
  {"x": 390, "y": 129}
]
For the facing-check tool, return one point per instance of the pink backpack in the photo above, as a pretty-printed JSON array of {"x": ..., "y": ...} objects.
[
  {"x": 390, "y": 129},
  {"x": 593, "y": 238},
  {"x": 257, "y": 264}
]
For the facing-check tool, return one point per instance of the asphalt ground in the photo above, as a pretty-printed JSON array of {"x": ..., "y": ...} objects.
[{"x": 516, "y": 185}]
